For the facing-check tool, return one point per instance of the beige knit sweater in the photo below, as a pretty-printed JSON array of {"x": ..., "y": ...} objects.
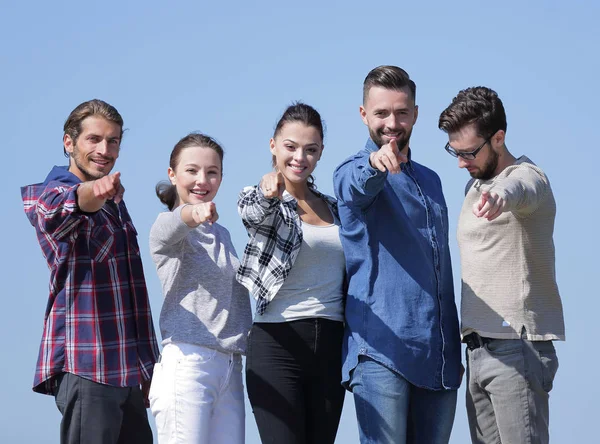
[{"x": 508, "y": 275}]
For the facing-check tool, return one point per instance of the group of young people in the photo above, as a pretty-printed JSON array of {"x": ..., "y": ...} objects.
[{"x": 353, "y": 292}]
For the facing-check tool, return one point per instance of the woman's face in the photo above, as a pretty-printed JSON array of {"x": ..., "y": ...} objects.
[
  {"x": 297, "y": 149},
  {"x": 197, "y": 175}
]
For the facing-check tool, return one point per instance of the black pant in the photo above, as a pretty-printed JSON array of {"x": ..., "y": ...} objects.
[
  {"x": 95, "y": 413},
  {"x": 293, "y": 374}
]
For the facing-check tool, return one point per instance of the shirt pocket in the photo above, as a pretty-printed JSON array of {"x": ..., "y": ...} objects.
[
  {"x": 102, "y": 243},
  {"x": 134, "y": 247}
]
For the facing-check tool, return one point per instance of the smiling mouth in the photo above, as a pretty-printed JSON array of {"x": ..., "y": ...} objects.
[
  {"x": 100, "y": 162},
  {"x": 392, "y": 135},
  {"x": 199, "y": 193},
  {"x": 297, "y": 169}
]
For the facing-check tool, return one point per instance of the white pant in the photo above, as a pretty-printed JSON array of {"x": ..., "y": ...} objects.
[{"x": 197, "y": 396}]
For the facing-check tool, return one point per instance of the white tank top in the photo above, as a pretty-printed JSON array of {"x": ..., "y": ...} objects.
[{"x": 314, "y": 287}]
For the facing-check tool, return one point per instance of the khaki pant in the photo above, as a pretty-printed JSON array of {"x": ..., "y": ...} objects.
[{"x": 509, "y": 381}]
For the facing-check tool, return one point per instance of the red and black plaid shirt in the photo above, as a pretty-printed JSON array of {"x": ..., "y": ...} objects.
[{"x": 98, "y": 323}]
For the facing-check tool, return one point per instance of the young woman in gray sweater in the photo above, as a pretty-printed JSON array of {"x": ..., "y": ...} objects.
[{"x": 197, "y": 394}]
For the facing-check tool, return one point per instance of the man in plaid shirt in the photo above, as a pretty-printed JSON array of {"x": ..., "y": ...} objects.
[{"x": 98, "y": 345}]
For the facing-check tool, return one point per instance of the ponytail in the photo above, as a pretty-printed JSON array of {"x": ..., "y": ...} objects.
[{"x": 167, "y": 194}]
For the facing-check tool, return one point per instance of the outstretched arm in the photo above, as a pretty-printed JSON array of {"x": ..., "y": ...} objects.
[
  {"x": 359, "y": 179},
  {"x": 256, "y": 203},
  {"x": 92, "y": 195},
  {"x": 521, "y": 191}
]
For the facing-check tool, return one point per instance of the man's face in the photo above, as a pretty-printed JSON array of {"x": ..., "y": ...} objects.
[
  {"x": 389, "y": 114},
  {"x": 94, "y": 153},
  {"x": 485, "y": 164}
]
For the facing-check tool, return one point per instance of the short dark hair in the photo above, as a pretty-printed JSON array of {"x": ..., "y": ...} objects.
[
  {"x": 166, "y": 191},
  {"x": 477, "y": 105},
  {"x": 87, "y": 109},
  {"x": 389, "y": 77}
]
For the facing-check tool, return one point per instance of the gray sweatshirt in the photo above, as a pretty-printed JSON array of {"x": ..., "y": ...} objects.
[{"x": 204, "y": 304}]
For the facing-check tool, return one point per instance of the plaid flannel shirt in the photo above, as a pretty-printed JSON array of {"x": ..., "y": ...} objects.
[
  {"x": 275, "y": 232},
  {"x": 98, "y": 323}
]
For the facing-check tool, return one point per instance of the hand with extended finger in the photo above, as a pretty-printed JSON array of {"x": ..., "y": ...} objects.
[
  {"x": 489, "y": 206},
  {"x": 205, "y": 212},
  {"x": 272, "y": 185},
  {"x": 388, "y": 158},
  {"x": 109, "y": 187}
]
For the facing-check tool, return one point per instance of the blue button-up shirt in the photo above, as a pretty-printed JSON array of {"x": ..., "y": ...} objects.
[{"x": 400, "y": 308}]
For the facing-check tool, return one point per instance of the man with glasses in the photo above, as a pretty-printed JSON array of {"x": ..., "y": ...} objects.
[{"x": 511, "y": 308}]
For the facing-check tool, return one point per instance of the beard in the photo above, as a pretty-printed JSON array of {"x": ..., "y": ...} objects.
[
  {"x": 85, "y": 168},
  {"x": 402, "y": 141},
  {"x": 488, "y": 170}
]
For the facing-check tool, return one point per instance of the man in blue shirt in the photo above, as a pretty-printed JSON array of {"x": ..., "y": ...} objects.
[{"x": 402, "y": 344}]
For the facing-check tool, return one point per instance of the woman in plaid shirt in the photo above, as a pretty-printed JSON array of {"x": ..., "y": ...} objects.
[{"x": 295, "y": 268}]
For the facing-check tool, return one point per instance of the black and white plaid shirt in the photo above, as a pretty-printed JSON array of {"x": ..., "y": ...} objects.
[{"x": 275, "y": 232}]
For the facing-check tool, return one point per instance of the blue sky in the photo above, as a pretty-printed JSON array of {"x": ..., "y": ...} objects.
[{"x": 230, "y": 68}]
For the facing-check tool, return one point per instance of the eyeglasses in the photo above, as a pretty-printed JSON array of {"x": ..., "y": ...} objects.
[{"x": 467, "y": 156}]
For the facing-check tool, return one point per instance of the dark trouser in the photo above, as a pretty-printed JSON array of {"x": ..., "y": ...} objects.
[
  {"x": 293, "y": 374},
  {"x": 95, "y": 413}
]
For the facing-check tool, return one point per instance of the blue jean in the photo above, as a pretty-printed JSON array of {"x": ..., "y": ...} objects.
[
  {"x": 509, "y": 381},
  {"x": 390, "y": 409}
]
